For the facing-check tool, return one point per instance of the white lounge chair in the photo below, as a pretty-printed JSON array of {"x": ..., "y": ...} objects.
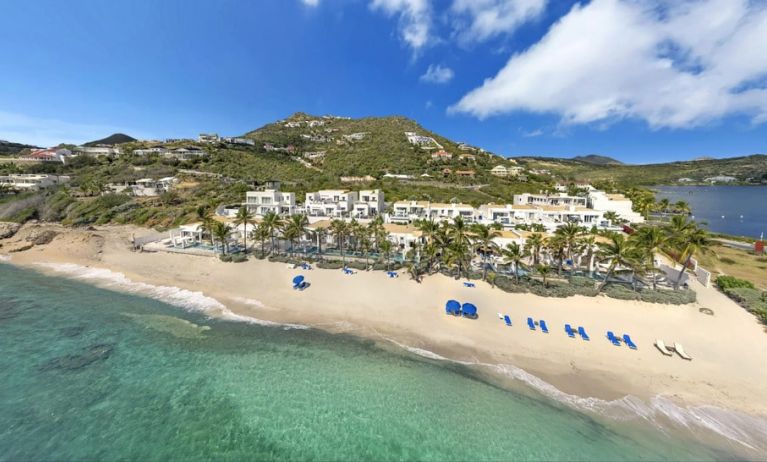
[
  {"x": 662, "y": 347},
  {"x": 680, "y": 351}
]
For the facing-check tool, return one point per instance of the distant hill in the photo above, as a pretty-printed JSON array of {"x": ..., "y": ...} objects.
[
  {"x": 8, "y": 148},
  {"x": 751, "y": 169},
  {"x": 117, "y": 138},
  {"x": 598, "y": 160}
]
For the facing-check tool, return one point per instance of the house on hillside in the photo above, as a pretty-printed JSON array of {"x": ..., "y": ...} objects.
[
  {"x": 31, "y": 181},
  {"x": 468, "y": 157},
  {"x": 315, "y": 155},
  {"x": 356, "y": 136},
  {"x": 441, "y": 155},
  {"x": 239, "y": 140},
  {"x": 418, "y": 140},
  {"x": 465, "y": 173},
  {"x": 97, "y": 151},
  {"x": 209, "y": 138},
  {"x": 721, "y": 179},
  {"x": 188, "y": 153},
  {"x": 503, "y": 171},
  {"x": 398, "y": 176},
  {"x": 145, "y": 187},
  {"x": 357, "y": 179},
  {"x": 48, "y": 155},
  {"x": 149, "y": 151}
]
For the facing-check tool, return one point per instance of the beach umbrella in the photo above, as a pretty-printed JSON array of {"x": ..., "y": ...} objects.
[
  {"x": 469, "y": 309},
  {"x": 298, "y": 279},
  {"x": 453, "y": 306}
]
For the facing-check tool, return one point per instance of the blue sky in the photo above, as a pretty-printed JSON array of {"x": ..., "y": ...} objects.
[{"x": 639, "y": 80}]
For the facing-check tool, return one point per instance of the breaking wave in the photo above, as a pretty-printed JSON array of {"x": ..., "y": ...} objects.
[
  {"x": 186, "y": 299},
  {"x": 663, "y": 413}
]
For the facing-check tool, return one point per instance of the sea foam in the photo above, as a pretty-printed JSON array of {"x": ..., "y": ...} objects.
[
  {"x": 5, "y": 257},
  {"x": 746, "y": 430},
  {"x": 186, "y": 299}
]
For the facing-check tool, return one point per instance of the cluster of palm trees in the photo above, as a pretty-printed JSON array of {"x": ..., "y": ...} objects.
[
  {"x": 644, "y": 203},
  {"x": 453, "y": 246}
]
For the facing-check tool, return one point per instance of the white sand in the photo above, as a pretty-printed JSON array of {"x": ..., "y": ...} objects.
[{"x": 729, "y": 348}]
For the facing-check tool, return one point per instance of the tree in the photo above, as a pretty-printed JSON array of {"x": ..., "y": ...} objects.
[
  {"x": 244, "y": 218},
  {"x": 339, "y": 230},
  {"x": 611, "y": 217},
  {"x": 513, "y": 254},
  {"x": 386, "y": 249},
  {"x": 483, "y": 241},
  {"x": 618, "y": 251},
  {"x": 694, "y": 242},
  {"x": 294, "y": 228},
  {"x": 205, "y": 215},
  {"x": 222, "y": 231},
  {"x": 569, "y": 233},
  {"x": 651, "y": 239},
  {"x": 556, "y": 246},
  {"x": 534, "y": 245},
  {"x": 261, "y": 233},
  {"x": 682, "y": 207},
  {"x": 272, "y": 222},
  {"x": 664, "y": 205},
  {"x": 544, "y": 271}
]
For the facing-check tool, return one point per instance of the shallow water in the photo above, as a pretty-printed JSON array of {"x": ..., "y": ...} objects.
[{"x": 94, "y": 374}]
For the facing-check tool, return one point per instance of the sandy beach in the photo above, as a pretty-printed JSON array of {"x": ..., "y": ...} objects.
[{"x": 729, "y": 348}]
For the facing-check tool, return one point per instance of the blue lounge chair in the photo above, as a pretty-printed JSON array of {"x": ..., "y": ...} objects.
[
  {"x": 612, "y": 338},
  {"x": 530, "y": 323},
  {"x": 569, "y": 330},
  {"x": 469, "y": 284},
  {"x": 629, "y": 342},
  {"x": 583, "y": 333},
  {"x": 507, "y": 320},
  {"x": 544, "y": 327}
]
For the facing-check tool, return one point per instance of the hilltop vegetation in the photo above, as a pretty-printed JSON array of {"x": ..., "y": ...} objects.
[
  {"x": 117, "y": 138},
  {"x": 748, "y": 169},
  {"x": 8, "y": 148}
]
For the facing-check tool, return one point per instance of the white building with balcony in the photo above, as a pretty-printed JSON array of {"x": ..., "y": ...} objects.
[
  {"x": 260, "y": 203},
  {"x": 332, "y": 203},
  {"x": 618, "y": 203},
  {"x": 550, "y": 199},
  {"x": 370, "y": 203}
]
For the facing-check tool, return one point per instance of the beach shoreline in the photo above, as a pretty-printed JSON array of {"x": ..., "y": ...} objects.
[{"x": 724, "y": 373}]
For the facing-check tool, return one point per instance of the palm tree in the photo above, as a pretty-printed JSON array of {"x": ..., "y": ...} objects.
[
  {"x": 261, "y": 233},
  {"x": 694, "y": 242},
  {"x": 544, "y": 271},
  {"x": 651, "y": 239},
  {"x": 557, "y": 247},
  {"x": 272, "y": 222},
  {"x": 483, "y": 241},
  {"x": 513, "y": 254},
  {"x": 376, "y": 230},
  {"x": 618, "y": 251},
  {"x": 205, "y": 216},
  {"x": 534, "y": 245},
  {"x": 569, "y": 232},
  {"x": 366, "y": 246},
  {"x": 588, "y": 244},
  {"x": 339, "y": 230},
  {"x": 429, "y": 253},
  {"x": 429, "y": 228},
  {"x": 294, "y": 228},
  {"x": 244, "y": 218},
  {"x": 682, "y": 207},
  {"x": 612, "y": 217},
  {"x": 664, "y": 205},
  {"x": 222, "y": 232},
  {"x": 320, "y": 234},
  {"x": 386, "y": 249}
]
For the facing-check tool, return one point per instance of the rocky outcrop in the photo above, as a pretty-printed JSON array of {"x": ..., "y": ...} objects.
[
  {"x": 41, "y": 237},
  {"x": 8, "y": 229}
]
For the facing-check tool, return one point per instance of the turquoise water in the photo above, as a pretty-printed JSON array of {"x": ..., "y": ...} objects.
[{"x": 93, "y": 374}]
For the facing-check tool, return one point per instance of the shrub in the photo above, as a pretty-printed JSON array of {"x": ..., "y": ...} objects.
[
  {"x": 751, "y": 299},
  {"x": 330, "y": 264},
  {"x": 731, "y": 282},
  {"x": 671, "y": 297},
  {"x": 239, "y": 258},
  {"x": 225, "y": 258},
  {"x": 727, "y": 260}
]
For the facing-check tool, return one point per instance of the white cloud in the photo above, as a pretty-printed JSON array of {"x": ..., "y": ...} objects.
[
  {"x": 414, "y": 19},
  {"x": 533, "y": 133},
  {"x": 478, "y": 20},
  {"x": 437, "y": 74},
  {"x": 670, "y": 63},
  {"x": 46, "y": 132},
  {"x": 310, "y": 2}
]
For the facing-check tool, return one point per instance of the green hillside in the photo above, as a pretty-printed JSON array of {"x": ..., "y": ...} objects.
[
  {"x": 116, "y": 138},
  {"x": 8, "y": 148},
  {"x": 748, "y": 169}
]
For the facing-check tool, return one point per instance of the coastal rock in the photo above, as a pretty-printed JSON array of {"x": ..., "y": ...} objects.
[
  {"x": 41, "y": 237},
  {"x": 8, "y": 229}
]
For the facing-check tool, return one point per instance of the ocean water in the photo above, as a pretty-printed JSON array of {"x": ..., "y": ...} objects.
[
  {"x": 736, "y": 210},
  {"x": 94, "y": 374}
]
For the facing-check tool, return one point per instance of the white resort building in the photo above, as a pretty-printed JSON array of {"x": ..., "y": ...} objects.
[
  {"x": 618, "y": 203},
  {"x": 549, "y": 199},
  {"x": 260, "y": 203},
  {"x": 31, "y": 181}
]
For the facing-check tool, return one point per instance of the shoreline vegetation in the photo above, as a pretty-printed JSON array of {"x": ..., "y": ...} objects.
[{"x": 369, "y": 304}]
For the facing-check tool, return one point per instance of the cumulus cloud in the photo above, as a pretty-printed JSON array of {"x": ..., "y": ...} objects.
[
  {"x": 414, "y": 19},
  {"x": 671, "y": 63},
  {"x": 478, "y": 20},
  {"x": 437, "y": 74},
  {"x": 310, "y": 2}
]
